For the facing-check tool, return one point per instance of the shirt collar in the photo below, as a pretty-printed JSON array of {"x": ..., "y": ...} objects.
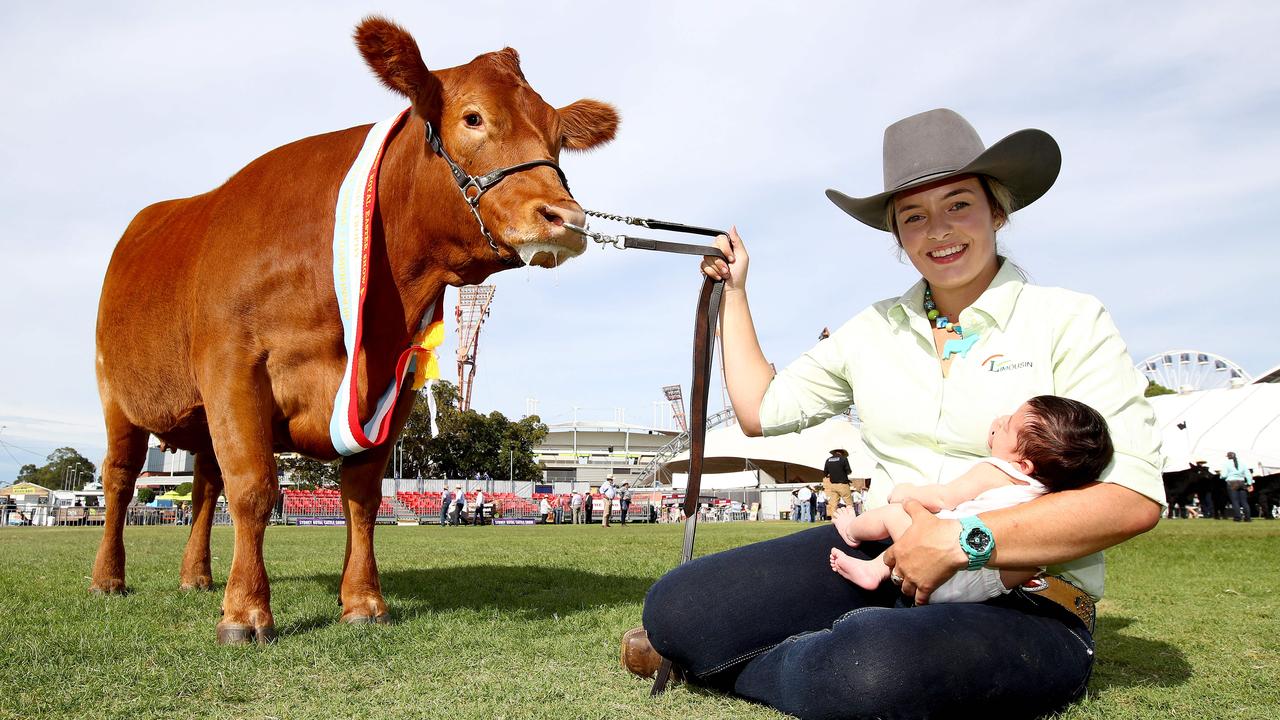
[{"x": 996, "y": 302}]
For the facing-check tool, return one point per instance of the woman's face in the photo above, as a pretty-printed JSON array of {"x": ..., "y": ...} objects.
[{"x": 949, "y": 233}]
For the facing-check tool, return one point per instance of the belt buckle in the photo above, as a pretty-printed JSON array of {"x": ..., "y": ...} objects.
[
  {"x": 1036, "y": 584},
  {"x": 1067, "y": 596}
]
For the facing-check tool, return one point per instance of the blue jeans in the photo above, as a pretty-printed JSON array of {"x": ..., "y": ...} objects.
[
  {"x": 1240, "y": 504},
  {"x": 772, "y": 623}
]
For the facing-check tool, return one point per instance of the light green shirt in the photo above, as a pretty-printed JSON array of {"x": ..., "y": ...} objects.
[{"x": 922, "y": 428}]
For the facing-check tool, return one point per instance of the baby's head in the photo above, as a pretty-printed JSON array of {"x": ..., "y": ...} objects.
[{"x": 1062, "y": 443}]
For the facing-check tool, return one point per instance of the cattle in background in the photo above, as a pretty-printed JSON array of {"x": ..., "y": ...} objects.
[
  {"x": 1207, "y": 487},
  {"x": 218, "y": 326}
]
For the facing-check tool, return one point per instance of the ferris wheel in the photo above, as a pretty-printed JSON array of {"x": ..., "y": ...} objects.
[{"x": 1188, "y": 370}]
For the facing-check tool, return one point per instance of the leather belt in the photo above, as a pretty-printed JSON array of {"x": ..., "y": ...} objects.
[{"x": 1067, "y": 596}]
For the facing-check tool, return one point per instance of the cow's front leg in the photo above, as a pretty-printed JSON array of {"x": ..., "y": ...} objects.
[
  {"x": 361, "y": 592},
  {"x": 206, "y": 486},
  {"x": 239, "y": 412}
]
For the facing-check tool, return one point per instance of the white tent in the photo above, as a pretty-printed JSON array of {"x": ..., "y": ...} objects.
[
  {"x": 794, "y": 457},
  {"x": 1204, "y": 425},
  {"x": 719, "y": 481}
]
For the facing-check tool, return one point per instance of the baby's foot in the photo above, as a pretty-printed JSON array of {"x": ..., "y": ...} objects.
[
  {"x": 866, "y": 574},
  {"x": 842, "y": 511}
]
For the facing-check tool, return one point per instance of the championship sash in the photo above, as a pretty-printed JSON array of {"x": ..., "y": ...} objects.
[{"x": 352, "y": 233}]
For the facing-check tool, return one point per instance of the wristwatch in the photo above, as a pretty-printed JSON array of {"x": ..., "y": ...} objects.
[{"x": 977, "y": 541}]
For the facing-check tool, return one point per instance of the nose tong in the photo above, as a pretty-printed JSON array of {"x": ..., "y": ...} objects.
[{"x": 629, "y": 241}]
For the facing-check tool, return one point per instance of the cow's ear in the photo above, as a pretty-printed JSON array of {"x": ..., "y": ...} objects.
[
  {"x": 393, "y": 55},
  {"x": 587, "y": 123}
]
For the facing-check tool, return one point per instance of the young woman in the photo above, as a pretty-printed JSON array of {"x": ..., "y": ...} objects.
[{"x": 927, "y": 370}]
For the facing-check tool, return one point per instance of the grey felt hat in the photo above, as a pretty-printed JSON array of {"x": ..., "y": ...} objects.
[{"x": 938, "y": 144}]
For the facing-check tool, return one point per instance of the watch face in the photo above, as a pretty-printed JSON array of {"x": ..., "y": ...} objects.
[{"x": 978, "y": 540}]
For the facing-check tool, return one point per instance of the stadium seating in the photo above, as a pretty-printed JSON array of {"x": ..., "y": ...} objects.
[{"x": 324, "y": 502}]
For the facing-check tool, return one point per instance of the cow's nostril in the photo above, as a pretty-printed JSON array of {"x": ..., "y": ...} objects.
[{"x": 551, "y": 216}]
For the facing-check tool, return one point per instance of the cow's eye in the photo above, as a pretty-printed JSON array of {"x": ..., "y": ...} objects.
[{"x": 473, "y": 120}]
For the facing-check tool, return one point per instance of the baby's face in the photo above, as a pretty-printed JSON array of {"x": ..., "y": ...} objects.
[{"x": 1003, "y": 438}]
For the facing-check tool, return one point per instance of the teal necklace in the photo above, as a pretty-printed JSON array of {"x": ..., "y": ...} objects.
[{"x": 962, "y": 343}]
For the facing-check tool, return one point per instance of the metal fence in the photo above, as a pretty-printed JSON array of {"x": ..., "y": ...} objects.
[
  {"x": 525, "y": 511},
  {"x": 45, "y": 516}
]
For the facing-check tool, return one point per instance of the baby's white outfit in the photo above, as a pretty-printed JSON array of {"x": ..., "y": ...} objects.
[{"x": 984, "y": 583}]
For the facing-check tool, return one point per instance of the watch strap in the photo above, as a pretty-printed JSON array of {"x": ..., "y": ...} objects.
[{"x": 978, "y": 558}]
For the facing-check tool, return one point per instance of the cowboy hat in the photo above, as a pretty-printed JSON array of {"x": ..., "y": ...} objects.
[
  {"x": 842, "y": 451},
  {"x": 939, "y": 144}
]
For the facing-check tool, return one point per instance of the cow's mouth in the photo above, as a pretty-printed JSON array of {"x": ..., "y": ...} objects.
[
  {"x": 546, "y": 254},
  {"x": 550, "y": 249}
]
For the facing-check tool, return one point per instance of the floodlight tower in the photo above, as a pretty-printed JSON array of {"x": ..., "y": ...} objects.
[
  {"x": 472, "y": 309},
  {"x": 676, "y": 397}
]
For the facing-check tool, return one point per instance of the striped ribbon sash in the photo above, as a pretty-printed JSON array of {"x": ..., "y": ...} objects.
[{"x": 352, "y": 232}]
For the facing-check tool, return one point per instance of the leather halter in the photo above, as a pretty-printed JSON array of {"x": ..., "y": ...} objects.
[{"x": 473, "y": 187}]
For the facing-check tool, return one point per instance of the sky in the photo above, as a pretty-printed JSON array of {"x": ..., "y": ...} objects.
[{"x": 733, "y": 113}]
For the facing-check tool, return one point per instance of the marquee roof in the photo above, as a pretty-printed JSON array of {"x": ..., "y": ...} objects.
[
  {"x": 796, "y": 456},
  {"x": 1244, "y": 419}
]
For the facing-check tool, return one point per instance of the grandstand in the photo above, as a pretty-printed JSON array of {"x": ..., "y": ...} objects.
[{"x": 581, "y": 453}]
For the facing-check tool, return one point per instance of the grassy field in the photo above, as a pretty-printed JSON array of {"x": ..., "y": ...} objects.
[{"x": 524, "y": 623}]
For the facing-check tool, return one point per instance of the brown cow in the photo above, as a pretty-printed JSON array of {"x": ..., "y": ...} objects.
[{"x": 218, "y": 328}]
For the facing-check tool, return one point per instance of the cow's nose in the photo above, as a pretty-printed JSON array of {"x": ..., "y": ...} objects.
[{"x": 558, "y": 215}]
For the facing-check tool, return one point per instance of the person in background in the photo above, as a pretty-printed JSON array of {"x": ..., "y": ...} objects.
[
  {"x": 544, "y": 509},
  {"x": 624, "y": 501},
  {"x": 835, "y": 478},
  {"x": 804, "y": 496},
  {"x": 459, "y": 506},
  {"x": 609, "y": 492},
  {"x": 1239, "y": 484},
  {"x": 822, "y": 506},
  {"x": 858, "y": 497},
  {"x": 575, "y": 504},
  {"x": 557, "y": 508},
  {"x": 478, "y": 513},
  {"x": 446, "y": 504},
  {"x": 587, "y": 501}
]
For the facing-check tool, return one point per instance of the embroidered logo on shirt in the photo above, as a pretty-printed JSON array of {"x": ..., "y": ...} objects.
[{"x": 996, "y": 363}]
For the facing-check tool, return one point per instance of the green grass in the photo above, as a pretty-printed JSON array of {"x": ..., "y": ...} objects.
[{"x": 524, "y": 622}]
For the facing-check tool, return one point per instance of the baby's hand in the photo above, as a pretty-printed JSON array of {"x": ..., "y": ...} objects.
[{"x": 843, "y": 521}]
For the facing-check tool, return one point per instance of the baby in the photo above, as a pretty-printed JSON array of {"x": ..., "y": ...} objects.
[{"x": 1048, "y": 444}]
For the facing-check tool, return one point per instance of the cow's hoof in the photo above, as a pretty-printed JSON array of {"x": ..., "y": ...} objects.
[
  {"x": 383, "y": 619},
  {"x": 229, "y": 634},
  {"x": 112, "y": 586},
  {"x": 200, "y": 583}
]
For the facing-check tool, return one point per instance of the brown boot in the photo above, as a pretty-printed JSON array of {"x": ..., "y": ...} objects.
[{"x": 638, "y": 655}]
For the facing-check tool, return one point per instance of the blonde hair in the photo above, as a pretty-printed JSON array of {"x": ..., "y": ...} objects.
[{"x": 999, "y": 197}]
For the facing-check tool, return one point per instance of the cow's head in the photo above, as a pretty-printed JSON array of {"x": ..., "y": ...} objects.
[{"x": 488, "y": 118}]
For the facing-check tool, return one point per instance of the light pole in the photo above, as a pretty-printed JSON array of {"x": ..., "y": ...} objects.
[{"x": 511, "y": 467}]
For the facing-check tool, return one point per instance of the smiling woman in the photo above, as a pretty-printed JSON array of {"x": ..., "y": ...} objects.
[{"x": 781, "y": 628}]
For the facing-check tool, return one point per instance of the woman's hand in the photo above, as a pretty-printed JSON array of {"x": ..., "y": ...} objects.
[
  {"x": 927, "y": 555},
  {"x": 733, "y": 272}
]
